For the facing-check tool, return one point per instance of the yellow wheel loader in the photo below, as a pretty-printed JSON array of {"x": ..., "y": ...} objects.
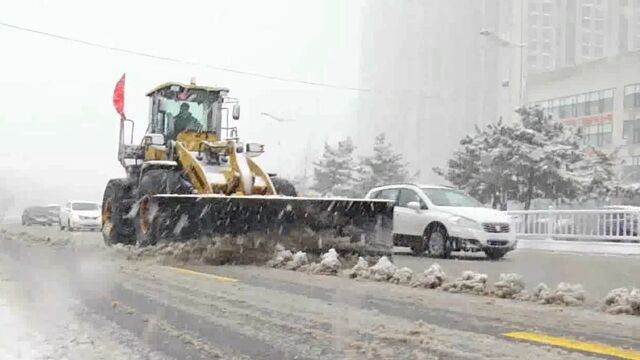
[{"x": 192, "y": 178}]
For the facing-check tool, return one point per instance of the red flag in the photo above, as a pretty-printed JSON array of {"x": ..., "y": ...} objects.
[{"x": 118, "y": 97}]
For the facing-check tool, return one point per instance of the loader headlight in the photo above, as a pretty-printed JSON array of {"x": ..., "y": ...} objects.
[{"x": 464, "y": 222}]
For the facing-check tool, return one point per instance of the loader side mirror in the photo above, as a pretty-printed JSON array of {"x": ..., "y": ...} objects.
[{"x": 235, "y": 113}]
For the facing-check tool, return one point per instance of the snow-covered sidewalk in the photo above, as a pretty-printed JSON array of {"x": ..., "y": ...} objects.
[{"x": 583, "y": 247}]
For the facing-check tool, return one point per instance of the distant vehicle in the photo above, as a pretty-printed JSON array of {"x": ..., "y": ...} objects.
[
  {"x": 439, "y": 219},
  {"x": 77, "y": 215},
  {"x": 40, "y": 215}
]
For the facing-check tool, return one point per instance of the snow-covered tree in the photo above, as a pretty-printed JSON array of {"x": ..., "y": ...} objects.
[
  {"x": 537, "y": 158},
  {"x": 383, "y": 166},
  {"x": 598, "y": 179},
  {"x": 335, "y": 171}
]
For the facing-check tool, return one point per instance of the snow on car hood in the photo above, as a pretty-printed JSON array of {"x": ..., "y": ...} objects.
[
  {"x": 478, "y": 214},
  {"x": 92, "y": 213}
]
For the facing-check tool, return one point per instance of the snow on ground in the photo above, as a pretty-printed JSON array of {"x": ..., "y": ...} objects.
[
  {"x": 509, "y": 286},
  {"x": 383, "y": 270},
  {"x": 564, "y": 294},
  {"x": 469, "y": 282},
  {"x": 431, "y": 278},
  {"x": 359, "y": 270},
  {"x": 402, "y": 276},
  {"x": 623, "y": 301}
]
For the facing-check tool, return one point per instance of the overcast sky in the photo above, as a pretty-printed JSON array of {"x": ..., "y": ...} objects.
[{"x": 59, "y": 128}]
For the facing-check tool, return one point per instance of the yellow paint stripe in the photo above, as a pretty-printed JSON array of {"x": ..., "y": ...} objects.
[
  {"x": 210, "y": 276},
  {"x": 590, "y": 347}
]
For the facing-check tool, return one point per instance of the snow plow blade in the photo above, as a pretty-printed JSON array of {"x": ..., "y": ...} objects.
[{"x": 308, "y": 224}]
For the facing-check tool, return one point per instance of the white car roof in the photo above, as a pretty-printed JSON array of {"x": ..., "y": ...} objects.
[
  {"x": 83, "y": 201},
  {"x": 414, "y": 185}
]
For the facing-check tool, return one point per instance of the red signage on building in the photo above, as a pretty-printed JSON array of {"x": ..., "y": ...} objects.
[{"x": 589, "y": 119}]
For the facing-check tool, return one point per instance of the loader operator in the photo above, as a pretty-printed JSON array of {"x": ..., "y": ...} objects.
[{"x": 185, "y": 121}]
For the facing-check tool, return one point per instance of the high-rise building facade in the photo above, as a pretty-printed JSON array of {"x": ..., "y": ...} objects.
[
  {"x": 435, "y": 75},
  {"x": 563, "y": 33}
]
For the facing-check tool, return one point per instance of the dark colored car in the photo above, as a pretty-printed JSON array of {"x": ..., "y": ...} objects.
[{"x": 40, "y": 215}]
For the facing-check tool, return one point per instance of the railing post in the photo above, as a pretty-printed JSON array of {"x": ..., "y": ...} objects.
[{"x": 551, "y": 223}]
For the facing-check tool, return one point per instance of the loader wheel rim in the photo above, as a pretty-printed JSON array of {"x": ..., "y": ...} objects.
[
  {"x": 144, "y": 221},
  {"x": 436, "y": 243}
]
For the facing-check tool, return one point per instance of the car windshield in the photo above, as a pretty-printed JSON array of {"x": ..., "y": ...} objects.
[
  {"x": 448, "y": 197},
  {"x": 85, "y": 206}
]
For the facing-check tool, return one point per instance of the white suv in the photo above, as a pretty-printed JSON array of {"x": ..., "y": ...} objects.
[{"x": 441, "y": 220}]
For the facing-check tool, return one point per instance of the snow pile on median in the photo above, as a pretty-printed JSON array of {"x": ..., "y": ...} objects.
[
  {"x": 285, "y": 259},
  {"x": 383, "y": 270},
  {"x": 328, "y": 265},
  {"x": 509, "y": 286},
  {"x": 402, "y": 276},
  {"x": 564, "y": 294},
  {"x": 431, "y": 278},
  {"x": 469, "y": 282},
  {"x": 623, "y": 301},
  {"x": 281, "y": 257},
  {"x": 359, "y": 270}
]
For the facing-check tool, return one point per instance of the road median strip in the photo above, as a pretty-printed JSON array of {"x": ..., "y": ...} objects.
[
  {"x": 590, "y": 347},
  {"x": 210, "y": 276}
]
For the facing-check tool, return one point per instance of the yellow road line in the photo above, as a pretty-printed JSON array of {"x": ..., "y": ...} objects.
[
  {"x": 210, "y": 276},
  {"x": 591, "y": 347}
]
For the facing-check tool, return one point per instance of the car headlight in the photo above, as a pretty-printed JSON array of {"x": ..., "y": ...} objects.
[
  {"x": 464, "y": 222},
  {"x": 75, "y": 216}
]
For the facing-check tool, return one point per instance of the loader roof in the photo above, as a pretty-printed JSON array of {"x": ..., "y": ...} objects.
[{"x": 186, "y": 86}]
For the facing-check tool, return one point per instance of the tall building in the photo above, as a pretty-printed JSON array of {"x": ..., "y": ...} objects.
[
  {"x": 436, "y": 77},
  {"x": 562, "y": 33}
]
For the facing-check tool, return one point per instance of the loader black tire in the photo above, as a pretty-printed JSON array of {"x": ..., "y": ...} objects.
[
  {"x": 116, "y": 204},
  {"x": 284, "y": 187},
  {"x": 149, "y": 222}
]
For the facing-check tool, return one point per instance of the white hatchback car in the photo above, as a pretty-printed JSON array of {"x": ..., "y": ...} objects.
[
  {"x": 440, "y": 220},
  {"x": 77, "y": 215}
]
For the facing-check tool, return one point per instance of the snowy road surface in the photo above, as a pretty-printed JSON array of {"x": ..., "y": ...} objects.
[{"x": 82, "y": 301}]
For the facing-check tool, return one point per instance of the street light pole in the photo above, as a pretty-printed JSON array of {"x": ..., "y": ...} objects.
[{"x": 504, "y": 42}]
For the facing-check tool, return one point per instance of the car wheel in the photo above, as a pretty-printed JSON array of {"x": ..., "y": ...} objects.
[
  {"x": 69, "y": 228},
  {"x": 438, "y": 242},
  {"x": 495, "y": 254}
]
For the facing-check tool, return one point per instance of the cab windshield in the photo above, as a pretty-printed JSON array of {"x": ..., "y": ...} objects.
[
  {"x": 449, "y": 197},
  {"x": 189, "y": 110}
]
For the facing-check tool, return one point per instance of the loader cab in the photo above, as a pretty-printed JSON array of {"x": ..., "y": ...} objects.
[{"x": 187, "y": 112}]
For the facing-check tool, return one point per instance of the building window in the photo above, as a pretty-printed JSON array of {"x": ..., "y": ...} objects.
[
  {"x": 631, "y": 131},
  {"x": 597, "y": 135},
  {"x": 631, "y": 96},
  {"x": 591, "y": 103}
]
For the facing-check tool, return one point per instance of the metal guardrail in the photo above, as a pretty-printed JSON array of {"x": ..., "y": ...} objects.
[{"x": 602, "y": 224}]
